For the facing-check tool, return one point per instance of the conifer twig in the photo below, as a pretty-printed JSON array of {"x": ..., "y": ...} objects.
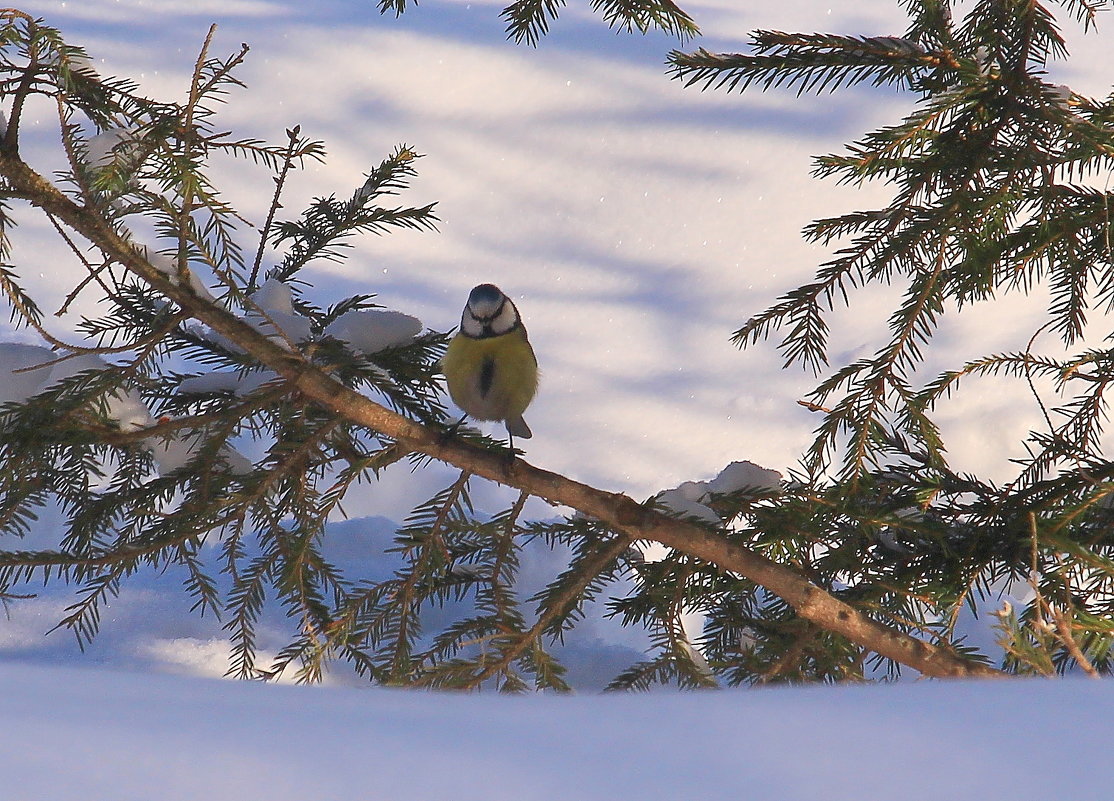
[
  {"x": 556, "y": 606},
  {"x": 1063, "y": 624},
  {"x": 276, "y": 204},
  {"x": 618, "y": 512},
  {"x": 11, "y": 135}
]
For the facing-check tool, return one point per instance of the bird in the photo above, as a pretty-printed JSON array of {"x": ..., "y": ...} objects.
[{"x": 489, "y": 366}]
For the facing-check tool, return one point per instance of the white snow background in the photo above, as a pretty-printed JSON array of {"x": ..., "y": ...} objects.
[{"x": 636, "y": 223}]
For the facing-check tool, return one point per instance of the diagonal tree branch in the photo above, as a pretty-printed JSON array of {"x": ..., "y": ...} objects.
[{"x": 615, "y": 510}]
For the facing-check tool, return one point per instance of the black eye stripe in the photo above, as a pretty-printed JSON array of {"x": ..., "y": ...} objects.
[{"x": 485, "y": 324}]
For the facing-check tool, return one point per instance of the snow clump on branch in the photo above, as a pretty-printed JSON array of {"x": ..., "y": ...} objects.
[
  {"x": 28, "y": 370},
  {"x": 691, "y": 498}
]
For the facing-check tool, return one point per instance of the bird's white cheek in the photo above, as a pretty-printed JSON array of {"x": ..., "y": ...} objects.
[
  {"x": 505, "y": 321},
  {"x": 470, "y": 325}
]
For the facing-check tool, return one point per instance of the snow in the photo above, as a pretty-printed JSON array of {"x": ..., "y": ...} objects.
[
  {"x": 1061, "y": 94},
  {"x": 636, "y": 224},
  {"x": 167, "y": 264},
  {"x": 19, "y": 383},
  {"x": 373, "y": 330},
  {"x": 901, "y": 44},
  {"x": 226, "y": 381},
  {"x": 272, "y": 313},
  {"x": 125, "y": 407},
  {"x": 74, "y": 734},
  {"x": 109, "y": 146},
  {"x": 739, "y": 476},
  {"x": 275, "y": 317},
  {"x": 178, "y": 448},
  {"x": 983, "y": 61},
  {"x": 688, "y": 499},
  {"x": 367, "y": 330},
  {"x": 274, "y": 297},
  {"x": 49, "y": 368},
  {"x": 685, "y": 501}
]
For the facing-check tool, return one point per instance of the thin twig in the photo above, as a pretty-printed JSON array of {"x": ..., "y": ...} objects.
[
  {"x": 405, "y": 597},
  {"x": 188, "y": 136},
  {"x": 502, "y": 553},
  {"x": 1029, "y": 375},
  {"x": 1064, "y": 635},
  {"x": 557, "y": 606},
  {"x": 790, "y": 654},
  {"x": 11, "y": 136},
  {"x": 443, "y": 515},
  {"x": 292, "y": 134},
  {"x": 623, "y": 513},
  {"x": 80, "y": 350},
  {"x": 94, "y": 272},
  {"x": 77, "y": 171}
]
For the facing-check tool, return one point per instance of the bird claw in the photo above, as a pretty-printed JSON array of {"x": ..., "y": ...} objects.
[{"x": 510, "y": 455}]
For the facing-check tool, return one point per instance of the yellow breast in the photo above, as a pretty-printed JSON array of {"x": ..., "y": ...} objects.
[{"x": 493, "y": 378}]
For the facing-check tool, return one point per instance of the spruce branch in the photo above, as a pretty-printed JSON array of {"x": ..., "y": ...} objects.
[
  {"x": 810, "y": 63},
  {"x": 26, "y": 81},
  {"x": 431, "y": 521},
  {"x": 616, "y": 511},
  {"x": 644, "y": 15},
  {"x": 323, "y": 415},
  {"x": 556, "y": 605}
]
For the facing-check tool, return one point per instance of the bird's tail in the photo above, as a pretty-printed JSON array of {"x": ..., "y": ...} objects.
[{"x": 518, "y": 428}]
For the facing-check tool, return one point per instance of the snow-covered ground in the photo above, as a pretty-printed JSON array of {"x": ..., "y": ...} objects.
[
  {"x": 71, "y": 734},
  {"x": 636, "y": 223}
]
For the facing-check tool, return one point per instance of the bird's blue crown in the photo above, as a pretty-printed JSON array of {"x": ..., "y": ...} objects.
[{"x": 485, "y": 294}]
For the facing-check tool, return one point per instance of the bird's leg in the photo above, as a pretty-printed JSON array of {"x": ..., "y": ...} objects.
[
  {"x": 509, "y": 456},
  {"x": 511, "y": 453}
]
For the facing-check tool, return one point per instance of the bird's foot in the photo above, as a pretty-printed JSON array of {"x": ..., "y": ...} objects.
[{"x": 510, "y": 454}]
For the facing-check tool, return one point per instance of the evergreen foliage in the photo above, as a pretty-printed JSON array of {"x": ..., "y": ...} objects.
[
  {"x": 74, "y": 445},
  {"x": 999, "y": 184},
  {"x": 996, "y": 179},
  {"x": 529, "y": 20}
]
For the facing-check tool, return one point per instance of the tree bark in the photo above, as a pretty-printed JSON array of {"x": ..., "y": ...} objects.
[{"x": 615, "y": 510}]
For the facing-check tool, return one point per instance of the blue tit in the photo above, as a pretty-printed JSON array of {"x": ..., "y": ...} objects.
[{"x": 489, "y": 365}]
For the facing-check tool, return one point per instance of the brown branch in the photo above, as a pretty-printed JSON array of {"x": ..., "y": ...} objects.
[
  {"x": 11, "y": 136},
  {"x": 1064, "y": 634},
  {"x": 405, "y": 596},
  {"x": 614, "y": 510},
  {"x": 790, "y": 655},
  {"x": 254, "y": 402},
  {"x": 503, "y": 549},
  {"x": 358, "y": 465},
  {"x": 188, "y": 137},
  {"x": 94, "y": 272},
  {"x": 557, "y": 606},
  {"x": 108, "y": 557},
  {"x": 1061, "y": 625}
]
